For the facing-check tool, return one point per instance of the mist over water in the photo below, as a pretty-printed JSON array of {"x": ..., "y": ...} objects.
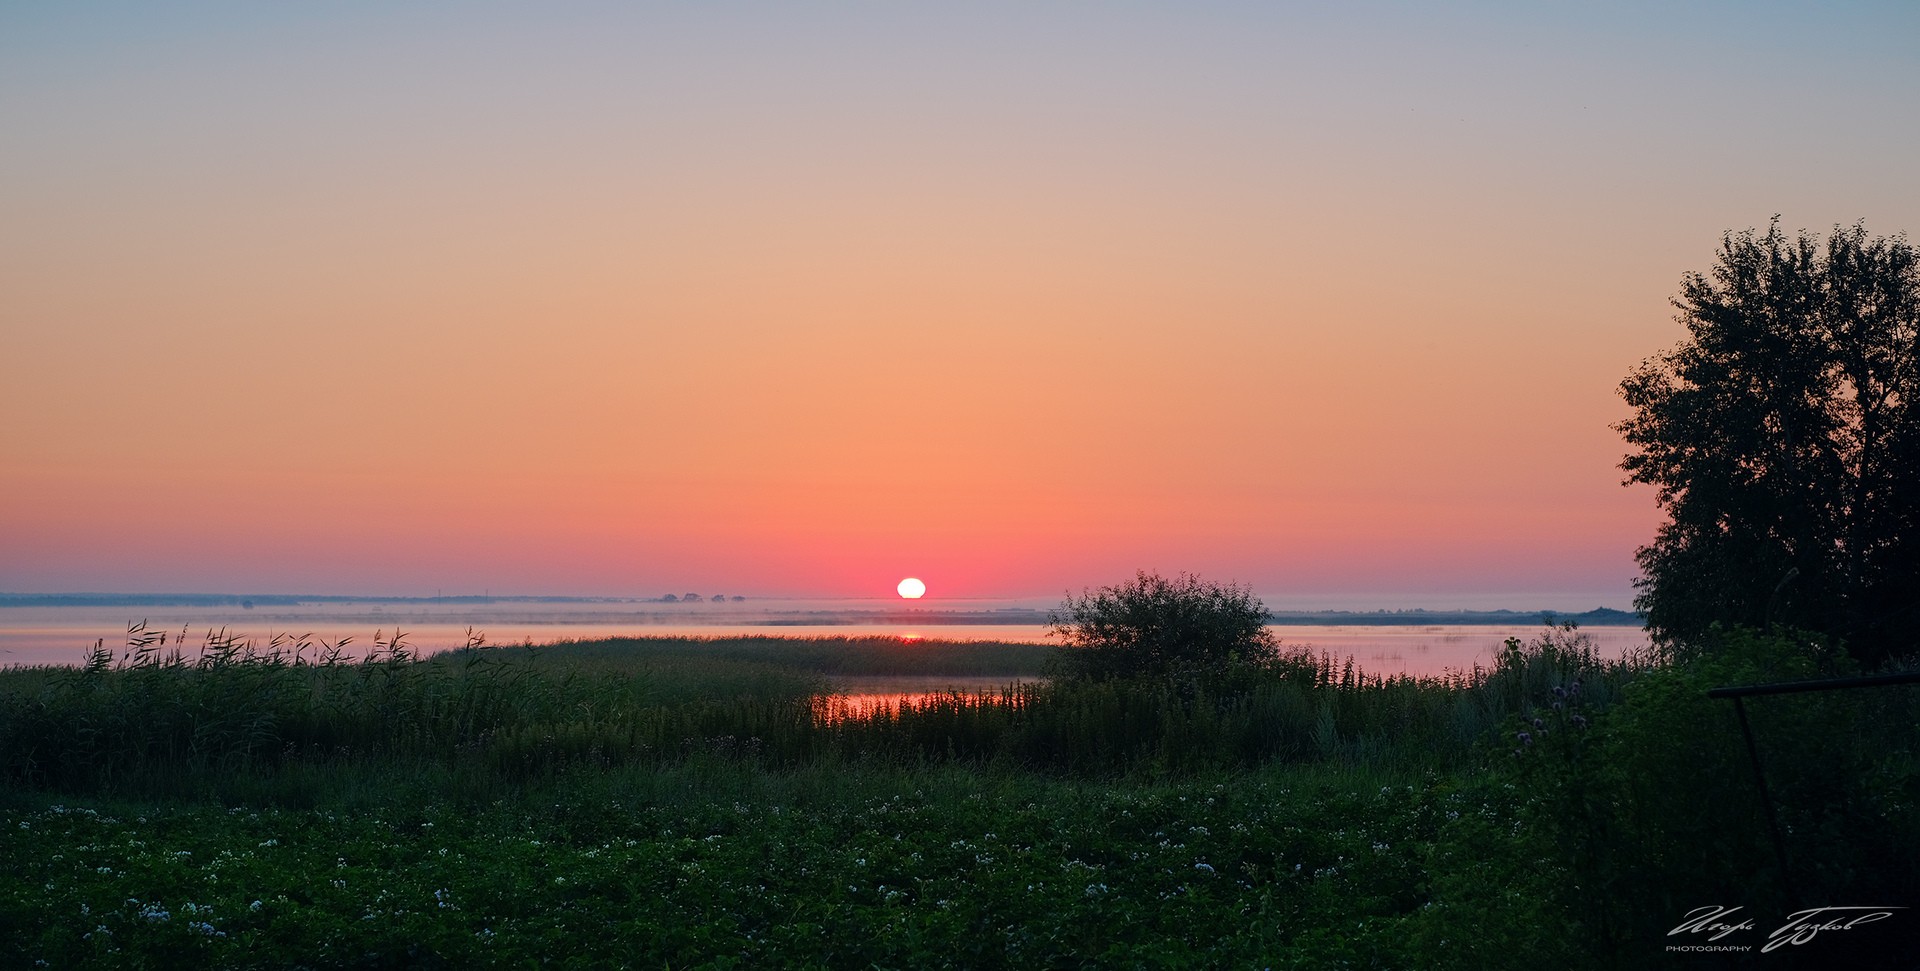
[{"x": 63, "y": 635}]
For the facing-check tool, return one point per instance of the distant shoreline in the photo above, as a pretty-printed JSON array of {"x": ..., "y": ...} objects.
[{"x": 790, "y": 617}]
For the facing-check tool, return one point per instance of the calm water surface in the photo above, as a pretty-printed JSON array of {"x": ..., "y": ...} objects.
[{"x": 64, "y": 635}]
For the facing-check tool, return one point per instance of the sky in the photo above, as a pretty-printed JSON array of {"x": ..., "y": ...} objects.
[{"x": 1330, "y": 300}]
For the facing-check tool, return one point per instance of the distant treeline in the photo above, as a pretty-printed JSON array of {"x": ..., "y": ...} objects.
[
  {"x": 951, "y": 618},
  {"x": 261, "y": 600},
  {"x": 1597, "y": 617}
]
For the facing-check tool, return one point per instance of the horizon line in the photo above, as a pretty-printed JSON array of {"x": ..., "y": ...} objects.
[{"x": 112, "y": 597}]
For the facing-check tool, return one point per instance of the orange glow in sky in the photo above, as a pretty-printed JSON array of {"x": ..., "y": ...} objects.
[{"x": 371, "y": 300}]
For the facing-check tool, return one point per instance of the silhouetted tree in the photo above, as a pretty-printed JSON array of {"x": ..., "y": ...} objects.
[
  {"x": 1782, "y": 438},
  {"x": 1155, "y": 626}
]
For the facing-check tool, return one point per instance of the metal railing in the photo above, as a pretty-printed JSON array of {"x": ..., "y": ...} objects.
[{"x": 1740, "y": 692}]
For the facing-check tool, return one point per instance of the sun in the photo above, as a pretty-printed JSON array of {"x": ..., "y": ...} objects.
[{"x": 912, "y": 589}]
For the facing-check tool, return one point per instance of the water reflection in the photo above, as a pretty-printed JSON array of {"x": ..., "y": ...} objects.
[{"x": 860, "y": 698}]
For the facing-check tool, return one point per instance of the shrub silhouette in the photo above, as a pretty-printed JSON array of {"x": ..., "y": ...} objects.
[{"x": 1153, "y": 626}]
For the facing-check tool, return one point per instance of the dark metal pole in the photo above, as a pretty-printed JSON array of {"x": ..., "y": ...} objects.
[
  {"x": 1773, "y": 822},
  {"x": 1738, "y": 692}
]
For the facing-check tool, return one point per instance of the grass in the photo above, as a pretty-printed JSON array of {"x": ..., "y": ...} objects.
[
  {"x": 232, "y": 717},
  {"x": 695, "y": 802},
  {"x": 722, "y": 865}
]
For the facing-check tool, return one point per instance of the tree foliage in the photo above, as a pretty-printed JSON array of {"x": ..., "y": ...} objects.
[
  {"x": 1154, "y": 626},
  {"x": 1782, "y": 439}
]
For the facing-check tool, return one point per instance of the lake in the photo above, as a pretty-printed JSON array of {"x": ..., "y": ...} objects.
[{"x": 62, "y": 635}]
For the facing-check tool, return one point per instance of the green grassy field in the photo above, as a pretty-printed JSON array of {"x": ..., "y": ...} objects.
[{"x": 695, "y": 803}]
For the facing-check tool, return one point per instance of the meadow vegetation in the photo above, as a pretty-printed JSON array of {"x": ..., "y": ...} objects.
[{"x": 703, "y": 802}]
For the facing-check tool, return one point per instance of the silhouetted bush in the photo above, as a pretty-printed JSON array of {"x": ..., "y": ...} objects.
[{"x": 1151, "y": 626}]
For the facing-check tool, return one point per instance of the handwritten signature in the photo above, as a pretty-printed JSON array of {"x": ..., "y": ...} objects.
[
  {"x": 1801, "y": 926},
  {"x": 1706, "y": 920}
]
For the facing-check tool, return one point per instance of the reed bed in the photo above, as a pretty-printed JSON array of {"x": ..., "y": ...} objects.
[{"x": 158, "y": 718}]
